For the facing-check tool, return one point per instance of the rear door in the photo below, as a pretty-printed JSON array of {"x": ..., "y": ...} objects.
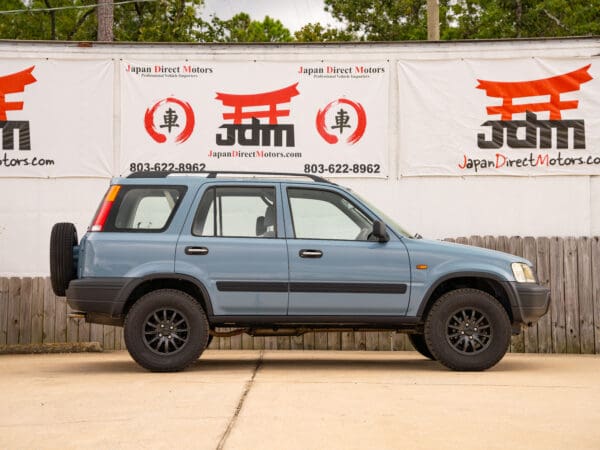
[
  {"x": 335, "y": 266},
  {"x": 233, "y": 242}
]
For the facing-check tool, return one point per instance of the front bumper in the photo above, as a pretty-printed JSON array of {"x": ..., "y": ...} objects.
[{"x": 531, "y": 302}]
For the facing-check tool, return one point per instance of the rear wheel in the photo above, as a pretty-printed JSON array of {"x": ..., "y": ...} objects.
[
  {"x": 63, "y": 238},
  {"x": 166, "y": 330},
  {"x": 418, "y": 342},
  {"x": 467, "y": 330}
]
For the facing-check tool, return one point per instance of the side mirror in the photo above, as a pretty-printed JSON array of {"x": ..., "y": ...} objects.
[{"x": 380, "y": 231}]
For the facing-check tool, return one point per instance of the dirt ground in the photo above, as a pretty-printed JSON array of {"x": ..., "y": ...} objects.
[{"x": 299, "y": 400}]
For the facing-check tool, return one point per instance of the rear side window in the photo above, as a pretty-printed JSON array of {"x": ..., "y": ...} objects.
[
  {"x": 237, "y": 212},
  {"x": 144, "y": 208}
]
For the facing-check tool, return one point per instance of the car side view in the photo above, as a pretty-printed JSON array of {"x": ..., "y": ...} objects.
[{"x": 173, "y": 257}]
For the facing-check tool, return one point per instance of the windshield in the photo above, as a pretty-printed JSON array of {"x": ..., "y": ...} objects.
[{"x": 387, "y": 219}]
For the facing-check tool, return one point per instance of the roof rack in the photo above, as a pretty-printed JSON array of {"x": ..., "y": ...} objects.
[{"x": 214, "y": 173}]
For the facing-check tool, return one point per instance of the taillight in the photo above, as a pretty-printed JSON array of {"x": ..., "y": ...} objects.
[{"x": 104, "y": 210}]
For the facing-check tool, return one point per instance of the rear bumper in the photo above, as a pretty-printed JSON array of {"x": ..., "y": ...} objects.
[
  {"x": 532, "y": 302},
  {"x": 96, "y": 295}
]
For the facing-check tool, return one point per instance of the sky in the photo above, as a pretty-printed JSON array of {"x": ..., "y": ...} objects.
[{"x": 294, "y": 14}]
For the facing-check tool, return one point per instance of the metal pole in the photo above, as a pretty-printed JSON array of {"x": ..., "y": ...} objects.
[
  {"x": 433, "y": 20},
  {"x": 105, "y": 20}
]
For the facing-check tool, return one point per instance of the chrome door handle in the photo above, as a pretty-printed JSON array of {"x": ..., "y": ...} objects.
[
  {"x": 196, "y": 251},
  {"x": 306, "y": 253}
]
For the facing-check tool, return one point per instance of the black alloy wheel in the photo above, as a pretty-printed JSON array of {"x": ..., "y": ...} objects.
[
  {"x": 166, "y": 330},
  {"x": 467, "y": 329}
]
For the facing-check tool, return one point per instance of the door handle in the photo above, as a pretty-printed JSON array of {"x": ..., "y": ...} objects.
[
  {"x": 196, "y": 251},
  {"x": 306, "y": 253}
]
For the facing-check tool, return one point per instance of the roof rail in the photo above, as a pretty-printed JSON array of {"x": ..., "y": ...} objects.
[{"x": 214, "y": 173}]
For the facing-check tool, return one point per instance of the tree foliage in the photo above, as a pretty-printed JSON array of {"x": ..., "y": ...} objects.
[
  {"x": 241, "y": 28},
  {"x": 315, "y": 32},
  {"x": 371, "y": 20},
  {"x": 389, "y": 20},
  {"x": 155, "y": 21},
  {"x": 490, "y": 19}
]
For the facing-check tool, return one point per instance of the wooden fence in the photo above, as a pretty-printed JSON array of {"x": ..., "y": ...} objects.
[{"x": 30, "y": 313}]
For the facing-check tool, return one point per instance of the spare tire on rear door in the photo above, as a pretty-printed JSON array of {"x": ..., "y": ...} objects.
[{"x": 62, "y": 267}]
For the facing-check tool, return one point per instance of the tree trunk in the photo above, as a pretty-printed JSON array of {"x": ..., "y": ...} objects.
[
  {"x": 105, "y": 20},
  {"x": 433, "y": 20}
]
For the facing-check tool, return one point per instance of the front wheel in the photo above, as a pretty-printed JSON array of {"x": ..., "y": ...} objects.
[
  {"x": 166, "y": 330},
  {"x": 467, "y": 330}
]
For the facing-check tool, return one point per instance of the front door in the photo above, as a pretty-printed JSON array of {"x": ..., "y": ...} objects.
[
  {"x": 336, "y": 268},
  {"x": 233, "y": 244}
]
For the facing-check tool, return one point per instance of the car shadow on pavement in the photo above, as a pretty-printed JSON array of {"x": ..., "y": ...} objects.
[{"x": 274, "y": 362}]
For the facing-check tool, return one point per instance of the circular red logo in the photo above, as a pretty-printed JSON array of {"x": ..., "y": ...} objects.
[
  {"x": 342, "y": 121},
  {"x": 170, "y": 121}
]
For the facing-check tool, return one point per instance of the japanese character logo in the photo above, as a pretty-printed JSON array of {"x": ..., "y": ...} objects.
[
  {"x": 345, "y": 114},
  {"x": 169, "y": 112},
  {"x": 514, "y": 101}
]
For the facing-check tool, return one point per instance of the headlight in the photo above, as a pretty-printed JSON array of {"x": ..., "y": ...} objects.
[{"x": 523, "y": 273}]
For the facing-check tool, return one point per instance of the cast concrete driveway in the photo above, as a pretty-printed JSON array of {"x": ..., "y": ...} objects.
[{"x": 299, "y": 400}]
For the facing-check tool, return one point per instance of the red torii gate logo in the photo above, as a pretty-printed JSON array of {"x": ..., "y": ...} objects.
[
  {"x": 12, "y": 84},
  {"x": 260, "y": 133},
  {"x": 552, "y": 87}
]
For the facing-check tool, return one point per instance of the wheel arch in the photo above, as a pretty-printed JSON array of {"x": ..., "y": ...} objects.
[
  {"x": 490, "y": 283},
  {"x": 185, "y": 283}
]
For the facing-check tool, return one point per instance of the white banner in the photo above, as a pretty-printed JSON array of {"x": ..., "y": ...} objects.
[
  {"x": 499, "y": 117},
  {"x": 56, "y": 118},
  {"x": 322, "y": 118}
]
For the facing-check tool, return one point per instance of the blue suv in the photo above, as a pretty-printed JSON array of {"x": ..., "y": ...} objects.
[{"x": 172, "y": 257}]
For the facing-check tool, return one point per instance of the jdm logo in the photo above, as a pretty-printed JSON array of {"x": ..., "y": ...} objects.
[
  {"x": 339, "y": 115},
  {"x": 254, "y": 107},
  {"x": 514, "y": 101},
  {"x": 12, "y": 84},
  {"x": 168, "y": 113}
]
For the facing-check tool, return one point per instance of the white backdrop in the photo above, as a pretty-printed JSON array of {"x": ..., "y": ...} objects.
[
  {"x": 443, "y": 106},
  {"x": 68, "y": 109},
  {"x": 436, "y": 206},
  {"x": 335, "y": 116}
]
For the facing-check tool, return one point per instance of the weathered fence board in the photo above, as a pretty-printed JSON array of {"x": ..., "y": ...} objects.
[
  {"x": 530, "y": 335},
  {"x": 544, "y": 325},
  {"x": 571, "y": 296},
  {"x": 586, "y": 305},
  {"x": 570, "y": 267},
  {"x": 596, "y": 290},
  {"x": 3, "y": 310},
  {"x": 557, "y": 307},
  {"x": 49, "y": 313},
  {"x": 14, "y": 301}
]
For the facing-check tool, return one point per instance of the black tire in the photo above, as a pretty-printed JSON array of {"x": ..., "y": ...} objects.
[
  {"x": 418, "y": 342},
  {"x": 467, "y": 330},
  {"x": 166, "y": 330},
  {"x": 63, "y": 238}
]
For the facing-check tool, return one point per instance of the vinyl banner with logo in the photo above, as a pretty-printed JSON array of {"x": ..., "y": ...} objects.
[
  {"x": 499, "y": 117},
  {"x": 312, "y": 117},
  {"x": 56, "y": 118}
]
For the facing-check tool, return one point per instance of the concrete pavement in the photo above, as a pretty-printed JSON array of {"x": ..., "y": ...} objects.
[{"x": 299, "y": 400}]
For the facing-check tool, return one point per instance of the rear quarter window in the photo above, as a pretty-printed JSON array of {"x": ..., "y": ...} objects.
[{"x": 144, "y": 208}]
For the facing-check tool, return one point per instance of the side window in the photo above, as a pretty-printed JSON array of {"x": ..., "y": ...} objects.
[
  {"x": 230, "y": 211},
  {"x": 318, "y": 214},
  {"x": 145, "y": 208}
]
